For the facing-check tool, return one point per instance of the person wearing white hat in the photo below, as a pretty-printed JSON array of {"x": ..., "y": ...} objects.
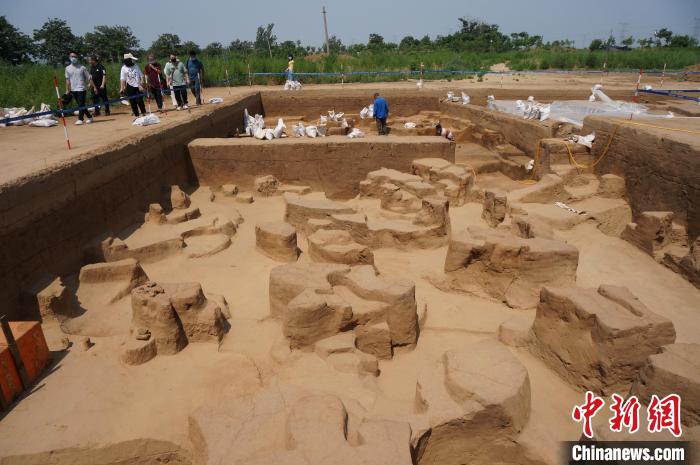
[{"x": 131, "y": 84}]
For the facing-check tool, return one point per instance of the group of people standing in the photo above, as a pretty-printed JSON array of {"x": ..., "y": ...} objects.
[{"x": 133, "y": 83}]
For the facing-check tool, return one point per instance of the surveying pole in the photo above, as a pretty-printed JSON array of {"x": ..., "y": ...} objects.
[{"x": 325, "y": 27}]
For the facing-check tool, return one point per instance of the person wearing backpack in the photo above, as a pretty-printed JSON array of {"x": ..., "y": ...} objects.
[{"x": 195, "y": 72}]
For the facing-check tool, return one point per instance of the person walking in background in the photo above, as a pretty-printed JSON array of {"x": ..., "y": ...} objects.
[
  {"x": 98, "y": 73},
  {"x": 131, "y": 84},
  {"x": 176, "y": 78},
  {"x": 290, "y": 67},
  {"x": 195, "y": 71},
  {"x": 77, "y": 80},
  {"x": 381, "y": 113},
  {"x": 153, "y": 71}
]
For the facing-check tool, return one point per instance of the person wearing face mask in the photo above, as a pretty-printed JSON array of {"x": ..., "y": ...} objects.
[
  {"x": 77, "y": 80},
  {"x": 195, "y": 70},
  {"x": 99, "y": 85},
  {"x": 153, "y": 71},
  {"x": 178, "y": 80},
  {"x": 131, "y": 83}
]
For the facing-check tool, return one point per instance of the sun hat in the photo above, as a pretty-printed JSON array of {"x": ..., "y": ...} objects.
[{"x": 129, "y": 55}]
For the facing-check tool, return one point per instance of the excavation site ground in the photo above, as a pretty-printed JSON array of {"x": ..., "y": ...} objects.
[{"x": 207, "y": 297}]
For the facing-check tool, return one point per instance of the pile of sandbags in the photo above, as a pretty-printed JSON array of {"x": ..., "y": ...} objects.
[
  {"x": 292, "y": 85},
  {"x": 39, "y": 121},
  {"x": 367, "y": 112}
]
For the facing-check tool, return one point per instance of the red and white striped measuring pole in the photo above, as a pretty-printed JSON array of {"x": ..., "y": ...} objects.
[
  {"x": 60, "y": 107},
  {"x": 639, "y": 82}
]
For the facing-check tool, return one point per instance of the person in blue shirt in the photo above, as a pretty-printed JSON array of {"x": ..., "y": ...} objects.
[
  {"x": 381, "y": 112},
  {"x": 195, "y": 71}
]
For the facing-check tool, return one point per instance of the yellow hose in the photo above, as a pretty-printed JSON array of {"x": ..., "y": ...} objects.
[{"x": 575, "y": 163}]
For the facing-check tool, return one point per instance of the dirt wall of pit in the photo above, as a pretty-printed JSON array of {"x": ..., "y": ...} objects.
[
  {"x": 332, "y": 164},
  {"x": 661, "y": 167},
  {"x": 309, "y": 104},
  {"x": 523, "y": 134},
  {"x": 45, "y": 220}
]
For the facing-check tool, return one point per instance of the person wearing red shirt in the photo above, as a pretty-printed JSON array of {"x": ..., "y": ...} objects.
[{"x": 153, "y": 72}]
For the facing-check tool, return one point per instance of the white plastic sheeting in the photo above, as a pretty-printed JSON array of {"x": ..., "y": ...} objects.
[
  {"x": 573, "y": 111},
  {"x": 216, "y": 100}
]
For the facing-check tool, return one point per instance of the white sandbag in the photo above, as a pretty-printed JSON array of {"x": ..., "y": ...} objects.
[
  {"x": 146, "y": 120},
  {"x": 299, "y": 130},
  {"x": 44, "y": 108},
  {"x": 259, "y": 133},
  {"x": 450, "y": 96},
  {"x": 409, "y": 125},
  {"x": 279, "y": 129},
  {"x": 490, "y": 101},
  {"x": 586, "y": 141},
  {"x": 364, "y": 113},
  {"x": 344, "y": 123},
  {"x": 322, "y": 131},
  {"x": 323, "y": 120},
  {"x": 43, "y": 122},
  {"x": 356, "y": 133},
  {"x": 311, "y": 131},
  {"x": 465, "y": 99},
  {"x": 216, "y": 100},
  {"x": 269, "y": 134}
]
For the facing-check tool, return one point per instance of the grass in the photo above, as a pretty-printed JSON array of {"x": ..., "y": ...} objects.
[{"x": 30, "y": 85}]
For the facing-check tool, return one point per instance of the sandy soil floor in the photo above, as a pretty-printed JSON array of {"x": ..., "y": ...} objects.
[{"x": 90, "y": 399}]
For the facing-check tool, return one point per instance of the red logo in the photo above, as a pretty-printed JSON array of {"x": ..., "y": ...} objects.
[
  {"x": 662, "y": 414},
  {"x": 626, "y": 414},
  {"x": 665, "y": 414},
  {"x": 586, "y": 411}
]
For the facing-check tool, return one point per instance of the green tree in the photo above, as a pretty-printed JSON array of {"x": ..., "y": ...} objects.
[
  {"x": 376, "y": 43},
  {"x": 409, "y": 43},
  {"x": 683, "y": 41},
  {"x": 111, "y": 42},
  {"x": 664, "y": 34},
  {"x": 54, "y": 40},
  {"x": 265, "y": 40},
  {"x": 426, "y": 42},
  {"x": 190, "y": 46},
  {"x": 596, "y": 44},
  {"x": 166, "y": 44},
  {"x": 244, "y": 47},
  {"x": 628, "y": 41},
  {"x": 15, "y": 47},
  {"x": 335, "y": 45},
  {"x": 214, "y": 48}
]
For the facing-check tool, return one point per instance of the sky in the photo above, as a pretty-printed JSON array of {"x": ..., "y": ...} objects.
[{"x": 205, "y": 21}]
